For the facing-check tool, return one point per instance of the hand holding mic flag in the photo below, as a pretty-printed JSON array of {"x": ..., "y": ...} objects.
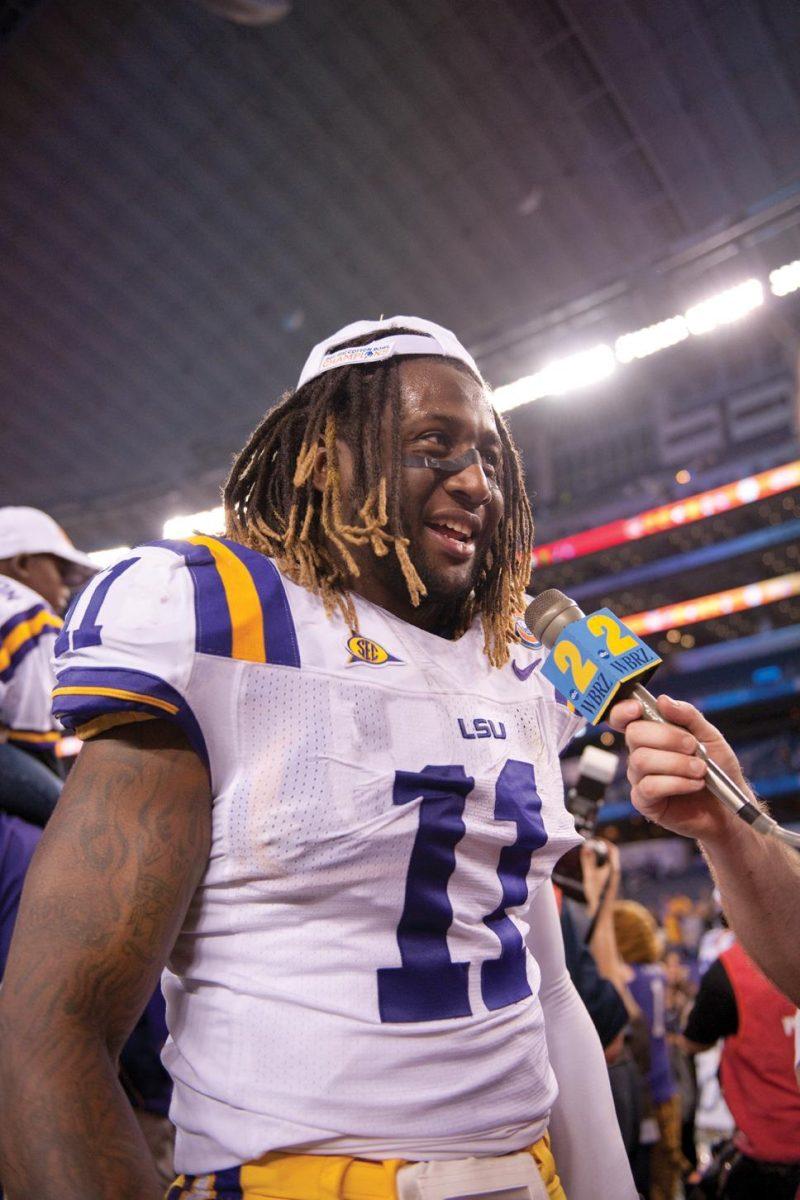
[{"x": 596, "y": 660}]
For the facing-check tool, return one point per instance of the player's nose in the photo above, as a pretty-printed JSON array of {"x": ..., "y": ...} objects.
[{"x": 471, "y": 483}]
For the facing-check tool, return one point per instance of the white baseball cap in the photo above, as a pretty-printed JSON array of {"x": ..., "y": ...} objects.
[
  {"x": 31, "y": 531},
  {"x": 429, "y": 339}
]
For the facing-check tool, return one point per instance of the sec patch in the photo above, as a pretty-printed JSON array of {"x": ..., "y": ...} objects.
[{"x": 363, "y": 649}]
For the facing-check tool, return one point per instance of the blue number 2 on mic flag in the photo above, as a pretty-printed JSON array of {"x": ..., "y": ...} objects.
[{"x": 592, "y": 657}]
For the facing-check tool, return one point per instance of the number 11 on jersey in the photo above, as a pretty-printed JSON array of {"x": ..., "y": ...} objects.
[{"x": 429, "y": 986}]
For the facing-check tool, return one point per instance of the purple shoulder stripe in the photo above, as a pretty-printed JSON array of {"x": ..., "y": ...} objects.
[
  {"x": 280, "y": 638},
  {"x": 137, "y": 691}
]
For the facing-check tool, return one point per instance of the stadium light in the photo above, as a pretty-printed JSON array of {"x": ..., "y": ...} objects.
[
  {"x": 521, "y": 391},
  {"x": 589, "y": 366},
  {"x": 785, "y": 280},
  {"x": 106, "y": 558},
  {"x": 558, "y": 377},
  {"x": 651, "y": 339},
  {"x": 211, "y": 521},
  {"x": 578, "y": 370},
  {"x": 726, "y": 307}
]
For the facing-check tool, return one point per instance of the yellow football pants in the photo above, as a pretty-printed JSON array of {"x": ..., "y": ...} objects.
[{"x": 320, "y": 1177}]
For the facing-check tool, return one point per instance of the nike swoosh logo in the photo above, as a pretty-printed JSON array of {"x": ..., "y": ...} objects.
[{"x": 522, "y": 673}]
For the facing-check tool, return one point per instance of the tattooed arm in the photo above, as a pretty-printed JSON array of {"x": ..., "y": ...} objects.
[{"x": 104, "y": 900}]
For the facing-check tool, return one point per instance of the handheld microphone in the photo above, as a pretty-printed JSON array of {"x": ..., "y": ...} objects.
[{"x": 585, "y": 654}]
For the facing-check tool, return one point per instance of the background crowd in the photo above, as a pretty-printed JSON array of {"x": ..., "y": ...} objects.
[{"x": 700, "y": 1047}]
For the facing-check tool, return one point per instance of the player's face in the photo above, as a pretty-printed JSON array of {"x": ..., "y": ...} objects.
[
  {"x": 43, "y": 573},
  {"x": 449, "y": 519}
]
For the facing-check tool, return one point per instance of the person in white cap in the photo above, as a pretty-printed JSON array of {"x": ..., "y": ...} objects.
[
  {"x": 39, "y": 567},
  {"x": 321, "y": 789},
  {"x": 36, "y": 552}
]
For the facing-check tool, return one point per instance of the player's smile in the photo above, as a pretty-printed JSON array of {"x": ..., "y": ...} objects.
[{"x": 456, "y": 531}]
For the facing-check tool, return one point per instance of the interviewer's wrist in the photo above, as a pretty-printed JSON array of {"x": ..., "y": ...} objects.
[{"x": 726, "y": 832}]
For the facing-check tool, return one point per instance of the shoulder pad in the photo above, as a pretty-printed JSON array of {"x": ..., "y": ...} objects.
[{"x": 240, "y": 602}]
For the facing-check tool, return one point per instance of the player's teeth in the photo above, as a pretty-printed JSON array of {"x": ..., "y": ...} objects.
[{"x": 457, "y": 532}]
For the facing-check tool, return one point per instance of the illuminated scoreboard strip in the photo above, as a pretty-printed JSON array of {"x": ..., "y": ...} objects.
[
  {"x": 717, "y": 604},
  {"x": 671, "y": 516}
]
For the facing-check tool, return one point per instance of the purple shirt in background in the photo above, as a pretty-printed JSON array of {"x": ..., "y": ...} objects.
[
  {"x": 18, "y": 840},
  {"x": 647, "y": 988}
]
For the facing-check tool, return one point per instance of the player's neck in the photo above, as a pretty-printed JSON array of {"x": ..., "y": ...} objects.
[{"x": 437, "y": 615}]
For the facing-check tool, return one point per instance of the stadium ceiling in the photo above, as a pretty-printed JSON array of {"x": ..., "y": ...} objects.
[{"x": 187, "y": 203}]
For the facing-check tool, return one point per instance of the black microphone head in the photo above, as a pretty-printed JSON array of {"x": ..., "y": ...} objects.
[{"x": 549, "y": 613}]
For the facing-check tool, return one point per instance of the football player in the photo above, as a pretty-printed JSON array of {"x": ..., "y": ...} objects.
[
  {"x": 39, "y": 566},
  {"x": 321, "y": 791}
]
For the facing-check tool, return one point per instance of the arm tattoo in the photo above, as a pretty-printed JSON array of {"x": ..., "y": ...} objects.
[{"x": 106, "y": 895}]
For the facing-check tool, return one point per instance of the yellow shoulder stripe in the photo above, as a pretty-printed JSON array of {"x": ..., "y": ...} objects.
[
  {"x": 119, "y": 694},
  {"x": 28, "y": 735},
  {"x": 244, "y": 605},
  {"x": 24, "y": 632},
  {"x": 100, "y": 724}
]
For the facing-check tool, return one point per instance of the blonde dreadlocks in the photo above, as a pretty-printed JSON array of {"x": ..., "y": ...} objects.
[{"x": 273, "y": 505}]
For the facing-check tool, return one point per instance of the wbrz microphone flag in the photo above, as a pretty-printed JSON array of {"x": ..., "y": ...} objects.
[{"x": 592, "y": 657}]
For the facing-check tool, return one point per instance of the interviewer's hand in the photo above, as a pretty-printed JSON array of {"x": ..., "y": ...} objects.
[{"x": 667, "y": 780}]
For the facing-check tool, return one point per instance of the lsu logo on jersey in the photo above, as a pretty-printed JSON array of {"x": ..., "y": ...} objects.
[
  {"x": 525, "y": 636},
  {"x": 363, "y": 649}
]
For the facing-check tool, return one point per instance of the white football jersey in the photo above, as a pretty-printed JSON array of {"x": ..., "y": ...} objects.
[
  {"x": 28, "y": 629},
  {"x": 352, "y": 975}
]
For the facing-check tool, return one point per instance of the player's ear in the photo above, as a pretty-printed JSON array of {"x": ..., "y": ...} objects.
[
  {"x": 319, "y": 476},
  {"x": 17, "y": 567}
]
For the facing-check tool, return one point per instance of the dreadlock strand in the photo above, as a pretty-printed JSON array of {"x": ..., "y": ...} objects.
[
  {"x": 357, "y": 429},
  {"x": 332, "y": 523},
  {"x": 499, "y": 594},
  {"x": 381, "y": 539},
  {"x": 305, "y": 464},
  {"x": 416, "y": 588},
  {"x": 290, "y": 534},
  {"x": 308, "y": 517},
  {"x": 393, "y": 390}
]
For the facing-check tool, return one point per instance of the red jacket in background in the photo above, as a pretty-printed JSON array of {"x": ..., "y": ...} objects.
[{"x": 757, "y": 1069}]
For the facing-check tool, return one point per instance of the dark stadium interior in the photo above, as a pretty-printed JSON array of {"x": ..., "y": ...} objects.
[{"x": 177, "y": 227}]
